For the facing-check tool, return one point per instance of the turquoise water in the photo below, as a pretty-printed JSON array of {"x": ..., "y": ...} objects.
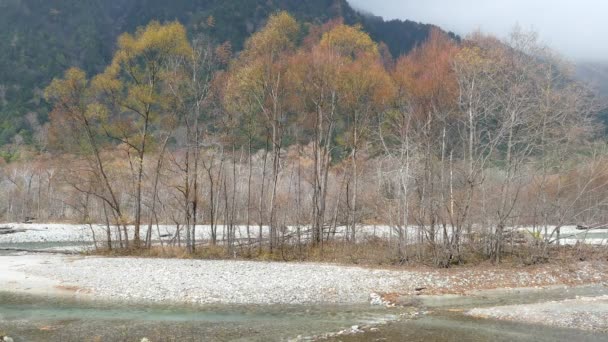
[
  {"x": 446, "y": 322},
  {"x": 37, "y": 318},
  {"x": 32, "y": 318},
  {"x": 452, "y": 327},
  {"x": 50, "y": 319}
]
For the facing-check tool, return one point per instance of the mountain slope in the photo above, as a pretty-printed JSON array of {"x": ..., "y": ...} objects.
[
  {"x": 596, "y": 75},
  {"x": 39, "y": 39}
]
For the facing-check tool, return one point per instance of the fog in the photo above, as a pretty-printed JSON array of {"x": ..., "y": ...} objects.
[{"x": 577, "y": 29}]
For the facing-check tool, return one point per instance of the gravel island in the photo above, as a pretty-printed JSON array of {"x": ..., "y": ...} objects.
[
  {"x": 587, "y": 313},
  {"x": 253, "y": 282}
]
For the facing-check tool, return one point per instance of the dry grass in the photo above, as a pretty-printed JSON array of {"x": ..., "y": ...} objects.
[
  {"x": 374, "y": 253},
  {"x": 166, "y": 252}
]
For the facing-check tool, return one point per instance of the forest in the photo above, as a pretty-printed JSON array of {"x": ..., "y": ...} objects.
[
  {"x": 313, "y": 134},
  {"x": 39, "y": 40}
]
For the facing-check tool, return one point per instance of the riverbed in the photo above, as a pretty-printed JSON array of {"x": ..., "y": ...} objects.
[
  {"x": 51, "y": 297},
  {"x": 423, "y": 318},
  {"x": 452, "y": 318},
  {"x": 43, "y": 318}
]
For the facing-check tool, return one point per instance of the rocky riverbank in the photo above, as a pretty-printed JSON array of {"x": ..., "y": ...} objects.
[
  {"x": 249, "y": 282},
  {"x": 297, "y": 288}
]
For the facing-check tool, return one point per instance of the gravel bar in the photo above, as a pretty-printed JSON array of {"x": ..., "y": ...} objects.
[
  {"x": 252, "y": 282},
  {"x": 227, "y": 282},
  {"x": 587, "y": 313}
]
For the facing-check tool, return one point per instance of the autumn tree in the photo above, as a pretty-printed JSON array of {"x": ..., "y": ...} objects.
[
  {"x": 454, "y": 145},
  {"x": 189, "y": 85},
  {"x": 258, "y": 88},
  {"x": 77, "y": 121},
  {"x": 131, "y": 89},
  {"x": 513, "y": 96},
  {"x": 364, "y": 89},
  {"x": 417, "y": 134},
  {"x": 314, "y": 72},
  {"x": 340, "y": 82}
]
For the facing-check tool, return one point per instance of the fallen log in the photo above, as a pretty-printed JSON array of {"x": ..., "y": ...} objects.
[
  {"x": 594, "y": 227},
  {"x": 39, "y": 251},
  {"x": 9, "y": 230}
]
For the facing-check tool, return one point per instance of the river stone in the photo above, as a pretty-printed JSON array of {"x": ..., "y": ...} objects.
[
  {"x": 408, "y": 301},
  {"x": 375, "y": 299}
]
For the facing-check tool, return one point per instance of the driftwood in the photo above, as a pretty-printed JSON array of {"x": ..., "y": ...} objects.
[
  {"x": 597, "y": 226},
  {"x": 29, "y": 220},
  {"x": 39, "y": 251},
  {"x": 10, "y": 230}
]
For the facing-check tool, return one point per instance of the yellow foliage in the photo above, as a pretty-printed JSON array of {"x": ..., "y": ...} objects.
[
  {"x": 279, "y": 35},
  {"x": 367, "y": 83},
  {"x": 138, "y": 67},
  {"x": 106, "y": 82},
  {"x": 141, "y": 94},
  {"x": 74, "y": 80},
  {"x": 98, "y": 111},
  {"x": 163, "y": 39},
  {"x": 261, "y": 66},
  {"x": 349, "y": 41},
  {"x": 153, "y": 45},
  {"x": 484, "y": 54},
  {"x": 245, "y": 87},
  {"x": 471, "y": 56}
]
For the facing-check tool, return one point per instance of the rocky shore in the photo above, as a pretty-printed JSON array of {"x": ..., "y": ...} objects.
[{"x": 249, "y": 282}]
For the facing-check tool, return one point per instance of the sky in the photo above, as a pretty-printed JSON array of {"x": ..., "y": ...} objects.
[{"x": 578, "y": 29}]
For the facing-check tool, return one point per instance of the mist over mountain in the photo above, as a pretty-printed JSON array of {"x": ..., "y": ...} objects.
[
  {"x": 595, "y": 74},
  {"x": 573, "y": 28}
]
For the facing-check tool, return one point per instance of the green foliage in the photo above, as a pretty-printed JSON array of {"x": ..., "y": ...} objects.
[{"x": 9, "y": 156}]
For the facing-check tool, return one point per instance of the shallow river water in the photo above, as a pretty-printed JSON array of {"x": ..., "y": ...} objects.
[
  {"x": 31, "y": 318},
  {"x": 444, "y": 319},
  {"x": 49, "y": 319}
]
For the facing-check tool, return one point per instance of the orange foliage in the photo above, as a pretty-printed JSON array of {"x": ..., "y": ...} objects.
[{"x": 426, "y": 77}]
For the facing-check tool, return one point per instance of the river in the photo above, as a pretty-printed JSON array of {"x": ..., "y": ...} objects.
[{"x": 435, "y": 318}]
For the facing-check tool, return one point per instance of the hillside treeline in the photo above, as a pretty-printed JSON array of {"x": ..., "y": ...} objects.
[
  {"x": 39, "y": 40},
  {"x": 310, "y": 137}
]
